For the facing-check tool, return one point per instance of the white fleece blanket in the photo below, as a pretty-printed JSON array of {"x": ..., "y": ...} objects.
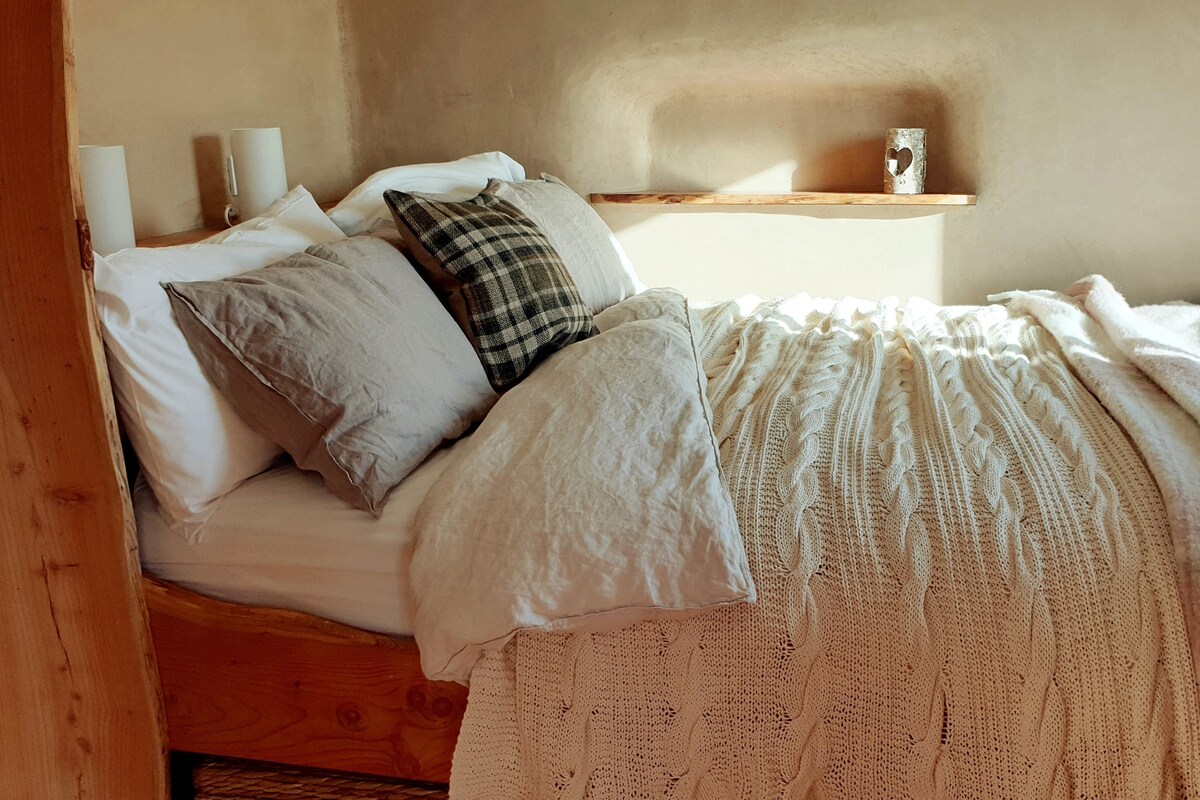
[
  {"x": 1144, "y": 365},
  {"x": 966, "y": 588}
]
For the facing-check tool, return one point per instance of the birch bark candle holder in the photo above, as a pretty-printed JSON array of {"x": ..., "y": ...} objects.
[{"x": 904, "y": 161}]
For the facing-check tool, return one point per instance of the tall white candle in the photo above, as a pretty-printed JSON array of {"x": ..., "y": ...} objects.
[
  {"x": 258, "y": 176},
  {"x": 106, "y": 197}
]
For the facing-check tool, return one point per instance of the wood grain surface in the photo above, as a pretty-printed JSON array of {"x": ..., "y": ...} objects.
[
  {"x": 181, "y": 237},
  {"x": 291, "y": 688},
  {"x": 783, "y": 199},
  {"x": 78, "y": 693}
]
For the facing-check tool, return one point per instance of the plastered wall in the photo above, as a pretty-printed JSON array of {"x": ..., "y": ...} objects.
[
  {"x": 168, "y": 79},
  {"x": 1075, "y": 122}
]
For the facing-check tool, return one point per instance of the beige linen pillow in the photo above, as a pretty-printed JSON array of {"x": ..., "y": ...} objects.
[
  {"x": 587, "y": 246},
  {"x": 341, "y": 355}
]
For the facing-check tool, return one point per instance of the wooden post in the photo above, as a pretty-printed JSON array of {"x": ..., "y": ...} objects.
[{"x": 80, "y": 714}]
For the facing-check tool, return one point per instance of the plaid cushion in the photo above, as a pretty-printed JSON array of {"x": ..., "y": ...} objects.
[{"x": 495, "y": 269}]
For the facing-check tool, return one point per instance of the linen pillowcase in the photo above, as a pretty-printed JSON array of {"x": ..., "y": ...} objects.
[
  {"x": 650, "y": 304},
  {"x": 590, "y": 251},
  {"x": 192, "y": 445},
  {"x": 622, "y": 514},
  {"x": 363, "y": 210},
  {"x": 341, "y": 355},
  {"x": 500, "y": 277}
]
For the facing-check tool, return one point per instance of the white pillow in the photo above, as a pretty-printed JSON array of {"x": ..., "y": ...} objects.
[
  {"x": 363, "y": 210},
  {"x": 589, "y": 250},
  {"x": 192, "y": 446},
  {"x": 294, "y": 220}
]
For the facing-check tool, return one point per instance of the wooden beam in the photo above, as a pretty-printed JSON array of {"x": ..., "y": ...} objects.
[{"x": 78, "y": 690}]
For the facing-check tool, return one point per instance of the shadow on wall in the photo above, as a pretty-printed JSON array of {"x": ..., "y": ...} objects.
[
  {"x": 797, "y": 138},
  {"x": 210, "y": 178}
]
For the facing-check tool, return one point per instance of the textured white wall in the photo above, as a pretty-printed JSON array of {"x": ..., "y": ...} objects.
[
  {"x": 169, "y": 78},
  {"x": 1076, "y": 123}
]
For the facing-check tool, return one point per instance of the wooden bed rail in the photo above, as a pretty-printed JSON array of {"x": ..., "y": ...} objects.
[{"x": 287, "y": 687}]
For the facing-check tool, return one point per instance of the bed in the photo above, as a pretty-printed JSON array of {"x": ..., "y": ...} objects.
[
  {"x": 970, "y": 513},
  {"x": 793, "y": 548}
]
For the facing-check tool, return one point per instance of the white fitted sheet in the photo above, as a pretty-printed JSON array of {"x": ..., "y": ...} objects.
[{"x": 282, "y": 540}]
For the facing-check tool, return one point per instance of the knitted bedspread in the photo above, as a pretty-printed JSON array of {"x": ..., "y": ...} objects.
[{"x": 965, "y": 581}]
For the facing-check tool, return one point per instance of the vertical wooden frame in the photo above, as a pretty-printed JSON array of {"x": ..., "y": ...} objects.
[{"x": 80, "y": 714}]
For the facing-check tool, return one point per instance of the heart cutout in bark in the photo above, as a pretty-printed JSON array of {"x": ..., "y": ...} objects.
[{"x": 899, "y": 161}]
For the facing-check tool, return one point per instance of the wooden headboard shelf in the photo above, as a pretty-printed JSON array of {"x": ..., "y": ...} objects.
[{"x": 182, "y": 237}]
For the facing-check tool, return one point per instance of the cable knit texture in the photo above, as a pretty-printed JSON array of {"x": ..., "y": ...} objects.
[{"x": 965, "y": 581}]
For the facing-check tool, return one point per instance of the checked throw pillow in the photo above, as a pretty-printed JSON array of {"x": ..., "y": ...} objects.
[{"x": 498, "y": 275}]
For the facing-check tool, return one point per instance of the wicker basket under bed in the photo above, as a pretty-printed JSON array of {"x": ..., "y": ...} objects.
[{"x": 214, "y": 779}]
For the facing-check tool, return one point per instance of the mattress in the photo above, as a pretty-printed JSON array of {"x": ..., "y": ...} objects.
[{"x": 281, "y": 540}]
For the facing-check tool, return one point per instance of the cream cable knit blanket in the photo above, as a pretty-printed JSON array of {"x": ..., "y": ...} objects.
[
  {"x": 1144, "y": 365},
  {"x": 966, "y": 589}
]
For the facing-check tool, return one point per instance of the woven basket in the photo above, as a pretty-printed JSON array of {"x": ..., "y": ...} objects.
[{"x": 213, "y": 779}]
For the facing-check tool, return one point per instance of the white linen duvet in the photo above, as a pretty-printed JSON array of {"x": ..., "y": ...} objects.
[{"x": 589, "y": 499}]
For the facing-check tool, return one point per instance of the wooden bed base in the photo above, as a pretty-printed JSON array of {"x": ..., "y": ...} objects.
[{"x": 282, "y": 686}]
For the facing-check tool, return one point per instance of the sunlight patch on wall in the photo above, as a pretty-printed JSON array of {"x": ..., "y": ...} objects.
[{"x": 871, "y": 253}]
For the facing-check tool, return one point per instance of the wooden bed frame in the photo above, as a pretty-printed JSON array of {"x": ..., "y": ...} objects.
[
  {"x": 295, "y": 689},
  {"x": 106, "y": 654}
]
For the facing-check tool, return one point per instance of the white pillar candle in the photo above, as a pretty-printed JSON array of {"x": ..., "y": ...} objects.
[
  {"x": 106, "y": 197},
  {"x": 257, "y": 175}
]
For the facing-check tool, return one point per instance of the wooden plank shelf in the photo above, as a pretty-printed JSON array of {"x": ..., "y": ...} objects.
[
  {"x": 783, "y": 199},
  {"x": 182, "y": 237}
]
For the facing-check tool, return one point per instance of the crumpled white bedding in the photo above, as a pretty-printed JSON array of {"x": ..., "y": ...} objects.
[
  {"x": 1144, "y": 365},
  {"x": 590, "y": 498}
]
